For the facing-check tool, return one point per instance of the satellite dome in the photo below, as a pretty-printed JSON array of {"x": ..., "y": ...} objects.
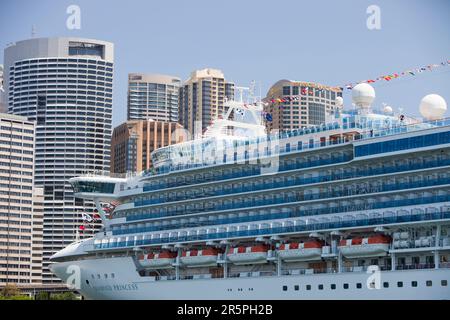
[
  {"x": 339, "y": 102},
  {"x": 387, "y": 109},
  {"x": 363, "y": 95},
  {"x": 432, "y": 107}
]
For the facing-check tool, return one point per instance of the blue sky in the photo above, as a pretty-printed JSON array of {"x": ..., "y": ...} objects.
[{"x": 319, "y": 41}]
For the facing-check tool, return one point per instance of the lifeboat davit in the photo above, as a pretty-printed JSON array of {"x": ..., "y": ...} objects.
[
  {"x": 196, "y": 258},
  {"x": 247, "y": 255},
  {"x": 365, "y": 247},
  {"x": 160, "y": 260},
  {"x": 311, "y": 250}
]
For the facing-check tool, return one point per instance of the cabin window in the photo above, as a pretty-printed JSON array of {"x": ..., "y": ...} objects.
[
  {"x": 320, "y": 286},
  {"x": 333, "y": 286},
  {"x": 308, "y": 287},
  {"x": 444, "y": 283},
  {"x": 400, "y": 284},
  {"x": 358, "y": 285},
  {"x": 113, "y": 275},
  {"x": 386, "y": 284},
  {"x": 284, "y": 288},
  {"x": 296, "y": 287},
  {"x": 429, "y": 283},
  {"x": 345, "y": 286},
  {"x": 413, "y": 283}
]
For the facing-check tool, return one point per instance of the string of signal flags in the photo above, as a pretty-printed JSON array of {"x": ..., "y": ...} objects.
[{"x": 349, "y": 86}]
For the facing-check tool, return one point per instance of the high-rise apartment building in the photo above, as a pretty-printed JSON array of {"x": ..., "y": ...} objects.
[
  {"x": 153, "y": 96},
  {"x": 133, "y": 142},
  {"x": 202, "y": 99},
  {"x": 65, "y": 85},
  {"x": 20, "y": 207},
  {"x": 302, "y": 104}
]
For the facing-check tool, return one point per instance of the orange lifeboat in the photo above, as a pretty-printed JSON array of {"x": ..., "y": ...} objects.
[
  {"x": 161, "y": 260},
  {"x": 197, "y": 258},
  {"x": 248, "y": 255},
  {"x": 374, "y": 246},
  {"x": 310, "y": 250}
]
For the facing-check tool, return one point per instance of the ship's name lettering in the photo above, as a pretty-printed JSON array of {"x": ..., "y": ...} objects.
[{"x": 122, "y": 287}]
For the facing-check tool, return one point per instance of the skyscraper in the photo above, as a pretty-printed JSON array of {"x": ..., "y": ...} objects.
[
  {"x": 20, "y": 205},
  {"x": 202, "y": 99},
  {"x": 153, "y": 96},
  {"x": 134, "y": 141},
  {"x": 65, "y": 85},
  {"x": 301, "y": 104}
]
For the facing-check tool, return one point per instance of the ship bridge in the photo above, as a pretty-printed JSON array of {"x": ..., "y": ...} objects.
[{"x": 97, "y": 187}]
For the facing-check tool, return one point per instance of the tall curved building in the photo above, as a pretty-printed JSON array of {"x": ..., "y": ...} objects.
[{"x": 65, "y": 85}]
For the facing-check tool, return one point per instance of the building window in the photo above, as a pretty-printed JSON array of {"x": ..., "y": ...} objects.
[{"x": 286, "y": 91}]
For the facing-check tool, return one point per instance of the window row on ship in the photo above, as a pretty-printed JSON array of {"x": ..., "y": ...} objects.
[
  {"x": 248, "y": 168},
  {"x": 296, "y": 161},
  {"x": 435, "y": 212},
  {"x": 309, "y": 211},
  {"x": 267, "y": 182},
  {"x": 297, "y": 194}
]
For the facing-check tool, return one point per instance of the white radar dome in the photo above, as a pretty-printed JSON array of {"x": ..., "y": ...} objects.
[
  {"x": 432, "y": 107},
  {"x": 339, "y": 102},
  {"x": 387, "y": 109},
  {"x": 363, "y": 95}
]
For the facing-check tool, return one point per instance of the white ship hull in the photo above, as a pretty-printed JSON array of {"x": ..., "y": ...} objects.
[{"x": 128, "y": 284}]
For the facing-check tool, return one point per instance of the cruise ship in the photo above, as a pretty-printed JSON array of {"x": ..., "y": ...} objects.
[{"x": 355, "y": 208}]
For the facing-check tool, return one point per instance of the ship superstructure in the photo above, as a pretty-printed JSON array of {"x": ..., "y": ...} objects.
[{"x": 358, "y": 206}]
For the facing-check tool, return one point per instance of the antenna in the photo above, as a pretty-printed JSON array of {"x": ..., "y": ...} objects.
[
  {"x": 241, "y": 92},
  {"x": 33, "y": 31}
]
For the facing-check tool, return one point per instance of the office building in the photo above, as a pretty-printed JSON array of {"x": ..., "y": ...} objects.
[
  {"x": 302, "y": 104},
  {"x": 134, "y": 141},
  {"x": 20, "y": 207},
  {"x": 153, "y": 96},
  {"x": 202, "y": 99},
  {"x": 65, "y": 85}
]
